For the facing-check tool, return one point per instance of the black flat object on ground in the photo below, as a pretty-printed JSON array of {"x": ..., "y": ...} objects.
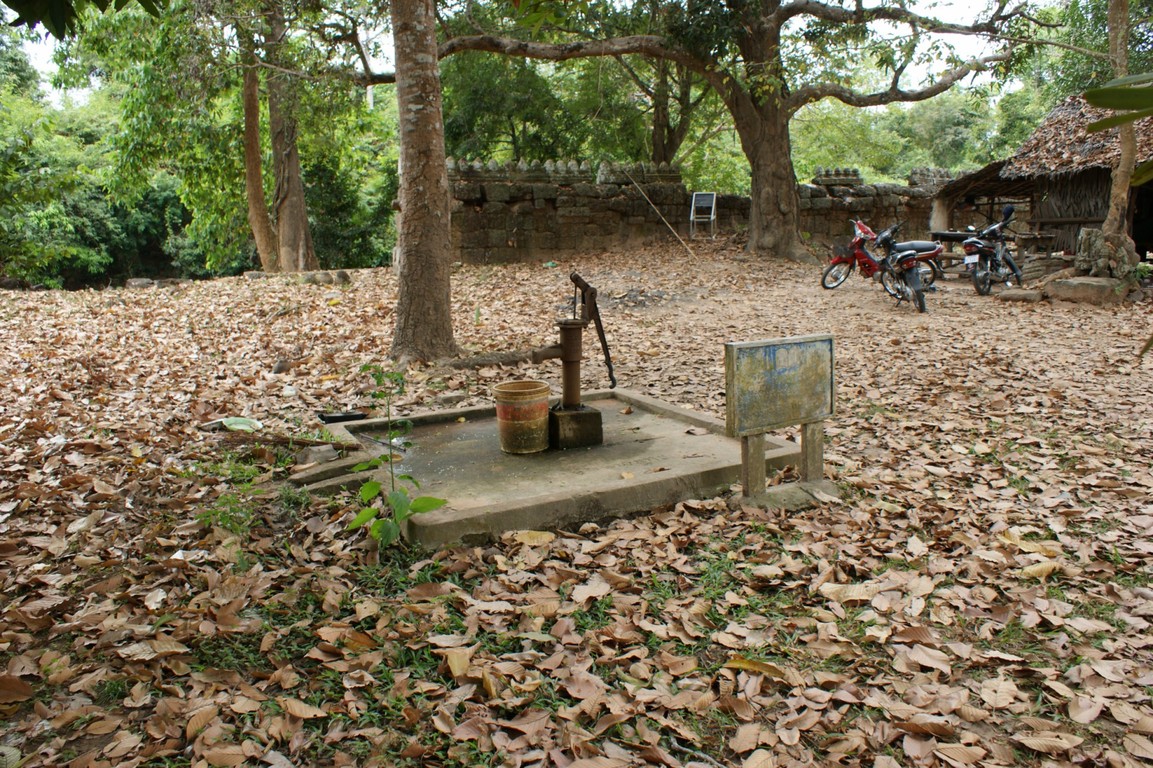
[{"x": 336, "y": 418}]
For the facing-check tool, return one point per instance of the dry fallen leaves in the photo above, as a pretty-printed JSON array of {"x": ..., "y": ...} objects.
[{"x": 982, "y": 589}]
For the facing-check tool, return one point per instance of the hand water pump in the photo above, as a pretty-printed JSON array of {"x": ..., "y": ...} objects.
[{"x": 572, "y": 424}]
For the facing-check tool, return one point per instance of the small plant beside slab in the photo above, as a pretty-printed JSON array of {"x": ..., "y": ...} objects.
[{"x": 386, "y": 509}]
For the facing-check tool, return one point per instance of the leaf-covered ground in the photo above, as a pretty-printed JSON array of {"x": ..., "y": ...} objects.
[{"x": 982, "y": 596}]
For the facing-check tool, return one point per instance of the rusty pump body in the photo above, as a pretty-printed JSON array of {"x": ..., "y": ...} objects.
[{"x": 570, "y": 423}]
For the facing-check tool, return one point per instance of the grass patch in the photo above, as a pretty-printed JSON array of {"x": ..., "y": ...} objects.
[
  {"x": 292, "y": 500},
  {"x": 239, "y": 652},
  {"x": 229, "y": 512},
  {"x": 596, "y": 616},
  {"x": 232, "y": 467},
  {"x": 108, "y": 693}
]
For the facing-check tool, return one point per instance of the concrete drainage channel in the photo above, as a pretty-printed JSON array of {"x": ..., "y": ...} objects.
[{"x": 652, "y": 454}]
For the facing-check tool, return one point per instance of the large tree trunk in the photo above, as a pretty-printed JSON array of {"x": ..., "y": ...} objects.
[
  {"x": 423, "y": 328},
  {"x": 774, "y": 217},
  {"x": 661, "y": 112},
  {"x": 1116, "y": 220},
  {"x": 290, "y": 212},
  {"x": 1116, "y": 226},
  {"x": 258, "y": 219},
  {"x": 669, "y": 130}
]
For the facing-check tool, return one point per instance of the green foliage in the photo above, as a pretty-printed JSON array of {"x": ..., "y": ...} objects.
[
  {"x": 1084, "y": 25},
  {"x": 29, "y": 185},
  {"x": 718, "y": 164},
  {"x": 502, "y": 108},
  {"x": 1018, "y": 114},
  {"x": 345, "y": 226},
  {"x": 62, "y": 17},
  {"x": 387, "y": 508},
  {"x": 176, "y": 85},
  {"x": 949, "y": 131},
  {"x": 497, "y": 107},
  {"x": 1133, "y": 96},
  {"x": 16, "y": 72},
  {"x": 230, "y": 512},
  {"x": 830, "y": 134},
  {"x": 58, "y": 223}
]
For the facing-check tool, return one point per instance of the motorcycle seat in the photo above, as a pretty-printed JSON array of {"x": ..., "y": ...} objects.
[{"x": 920, "y": 246}]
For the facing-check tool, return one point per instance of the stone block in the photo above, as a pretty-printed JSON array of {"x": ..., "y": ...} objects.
[
  {"x": 586, "y": 190},
  {"x": 316, "y": 454},
  {"x": 544, "y": 191},
  {"x": 545, "y": 241},
  {"x": 1021, "y": 294},
  {"x": 463, "y": 190},
  {"x": 1101, "y": 291},
  {"x": 472, "y": 238},
  {"x": 497, "y": 192}
]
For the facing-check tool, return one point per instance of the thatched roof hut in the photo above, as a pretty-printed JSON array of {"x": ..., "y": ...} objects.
[
  {"x": 1062, "y": 144},
  {"x": 1064, "y": 173}
]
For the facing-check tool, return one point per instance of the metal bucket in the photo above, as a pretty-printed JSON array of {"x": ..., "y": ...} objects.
[{"x": 522, "y": 415}]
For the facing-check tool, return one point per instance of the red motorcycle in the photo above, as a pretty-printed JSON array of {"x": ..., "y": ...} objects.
[{"x": 857, "y": 255}]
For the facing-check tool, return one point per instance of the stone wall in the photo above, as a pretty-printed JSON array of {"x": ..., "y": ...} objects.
[{"x": 540, "y": 212}]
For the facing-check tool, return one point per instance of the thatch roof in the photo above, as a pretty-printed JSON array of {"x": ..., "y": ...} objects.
[
  {"x": 985, "y": 182},
  {"x": 1062, "y": 145}
]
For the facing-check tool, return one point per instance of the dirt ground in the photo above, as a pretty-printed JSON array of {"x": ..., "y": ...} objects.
[{"x": 981, "y": 596}]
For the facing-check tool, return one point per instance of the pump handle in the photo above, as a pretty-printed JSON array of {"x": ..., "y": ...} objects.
[{"x": 589, "y": 311}]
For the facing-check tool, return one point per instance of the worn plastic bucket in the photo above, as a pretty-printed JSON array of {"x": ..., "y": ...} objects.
[{"x": 522, "y": 415}]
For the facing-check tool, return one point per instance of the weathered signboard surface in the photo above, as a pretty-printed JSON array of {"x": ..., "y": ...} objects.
[{"x": 778, "y": 383}]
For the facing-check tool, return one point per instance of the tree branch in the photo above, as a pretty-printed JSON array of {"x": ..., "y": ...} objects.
[
  {"x": 1053, "y": 44},
  {"x": 862, "y": 15},
  {"x": 647, "y": 45},
  {"x": 894, "y": 93}
]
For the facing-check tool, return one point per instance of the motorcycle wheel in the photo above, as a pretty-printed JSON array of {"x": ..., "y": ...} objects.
[
  {"x": 928, "y": 274},
  {"x": 982, "y": 280},
  {"x": 836, "y": 273},
  {"x": 892, "y": 284},
  {"x": 1008, "y": 258},
  {"x": 914, "y": 288}
]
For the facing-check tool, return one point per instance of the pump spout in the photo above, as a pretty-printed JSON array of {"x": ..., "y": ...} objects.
[{"x": 551, "y": 352}]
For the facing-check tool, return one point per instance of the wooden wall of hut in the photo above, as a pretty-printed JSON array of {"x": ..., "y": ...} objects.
[{"x": 1069, "y": 201}]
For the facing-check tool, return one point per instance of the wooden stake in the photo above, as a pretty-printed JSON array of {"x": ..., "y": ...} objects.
[
  {"x": 753, "y": 465},
  {"x": 812, "y": 469}
]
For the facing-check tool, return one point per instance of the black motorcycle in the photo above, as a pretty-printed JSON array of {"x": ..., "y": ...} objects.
[
  {"x": 908, "y": 267},
  {"x": 987, "y": 256}
]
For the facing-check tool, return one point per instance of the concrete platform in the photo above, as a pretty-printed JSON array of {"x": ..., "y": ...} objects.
[{"x": 653, "y": 454}]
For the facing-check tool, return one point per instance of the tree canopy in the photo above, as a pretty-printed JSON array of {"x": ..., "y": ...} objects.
[
  {"x": 765, "y": 61},
  {"x": 62, "y": 17}
]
